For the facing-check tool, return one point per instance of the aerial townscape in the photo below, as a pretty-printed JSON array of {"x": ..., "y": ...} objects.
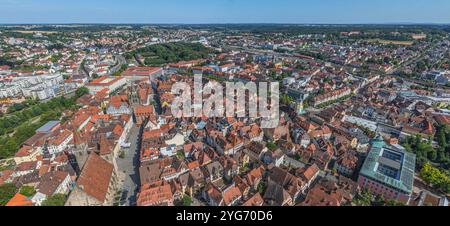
[{"x": 86, "y": 117}]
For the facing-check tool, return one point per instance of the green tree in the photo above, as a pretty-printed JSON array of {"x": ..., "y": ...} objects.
[
  {"x": 81, "y": 91},
  {"x": 8, "y": 149},
  {"x": 180, "y": 154},
  {"x": 160, "y": 54},
  {"x": 271, "y": 146},
  {"x": 261, "y": 187},
  {"x": 435, "y": 177},
  {"x": 187, "y": 200},
  {"x": 379, "y": 201},
  {"x": 429, "y": 174},
  {"x": 7, "y": 191},
  {"x": 28, "y": 191},
  {"x": 363, "y": 198},
  {"x": 119, "y": 72},
  {"x": 56, "y": 58},
  {"x": 23, "y": 123},
  {"x": 394, "y": 203},
  {"x": 122, "y": 154},
  {"x": 55, "y": 200},
  {"x": 286, "y": 99}
]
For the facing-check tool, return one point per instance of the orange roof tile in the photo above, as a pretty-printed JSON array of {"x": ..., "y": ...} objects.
[
  {"x": 19, "y": 200},
  {"x": 155, "y": 194},
  {"x": 231, "y": 194},
  {"x": 95, "y": 177}
]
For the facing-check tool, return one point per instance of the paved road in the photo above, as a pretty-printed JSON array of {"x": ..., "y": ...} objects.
[
  {"x": 130, "y": 167},
  {"x": 420, "y": 185},
  {"x": 120, "y": 60},
  {"x": 136, "y": 58},
  {"x": 196, "y": 201},
  {"x": 82, "y": 70}
]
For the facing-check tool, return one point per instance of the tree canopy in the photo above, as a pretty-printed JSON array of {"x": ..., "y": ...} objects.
[
  {"x": 17, "y": 127},
  {"x": 435, "y": 177},
  {"x": 7, "y": 191},
  {"x": 367, "y": 198},
  {"x": 28, "y": 191},
  {"x": 55, "y": 200},
  {"x": 81, "y": 91},
  {"x": 157, "y": 55},
  {"x": 425, "y": 151},
  {"x": 187, "y": 200}
]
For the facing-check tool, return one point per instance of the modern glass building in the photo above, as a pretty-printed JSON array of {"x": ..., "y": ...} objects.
[{"x": 388, "y": 170}]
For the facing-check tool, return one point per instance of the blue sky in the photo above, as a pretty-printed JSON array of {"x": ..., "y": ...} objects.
[{"x": 224, "y": 11}]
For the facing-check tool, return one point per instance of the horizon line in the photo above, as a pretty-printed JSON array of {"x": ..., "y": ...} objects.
[{"x": 228, "y": 23}]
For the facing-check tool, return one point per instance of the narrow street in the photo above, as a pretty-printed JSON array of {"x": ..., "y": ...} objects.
[
  {"x": 120, "y": 60},
  {"x": 129, "y": 167}
]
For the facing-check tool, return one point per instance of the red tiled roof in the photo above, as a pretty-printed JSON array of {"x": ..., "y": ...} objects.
[
  {"x": 95, "y": 177},
  {"x": 254, "y": 175},
  {"x": 193, "y": 165},
  {"x": 5, "y": 174},
  {"x": 105, "y": 117},
  {"x": 309, "y": 173},
  {"x": 255, "y": 200},
  {"x": 149, "y": 134},
  {"x": 101, "y": 81},
  {"x": 141, "y": 71},
  {"x": 143, "y": 110},
  {"x": 58, "y": 137},
  {"x": 19, "y": 200},
  {"x": 442, "y": 119},
  {"x": 118, "y": 130},
  {"x": 231, "y": 194},
  {"x": 50, "y": 182},
  {"x": 155, "y": 194},
  {"x": 26, "y": 166},
  {"x": 319, "y": 196},
  {"x": 24, "y": 151},
  {"x": 117, "y": 100}
]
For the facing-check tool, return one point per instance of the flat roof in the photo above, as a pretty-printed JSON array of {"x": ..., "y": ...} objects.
[
  {"x": 104, "y": 81},
  {"x": 390, "y": 165},
  {"x": 47, "y": 127}
]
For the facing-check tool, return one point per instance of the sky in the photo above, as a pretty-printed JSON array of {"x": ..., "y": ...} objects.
[{"x": 225, "y": 11}]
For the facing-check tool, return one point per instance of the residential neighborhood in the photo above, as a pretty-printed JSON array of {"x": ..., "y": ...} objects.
[{"x": 87, "y": 116}]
